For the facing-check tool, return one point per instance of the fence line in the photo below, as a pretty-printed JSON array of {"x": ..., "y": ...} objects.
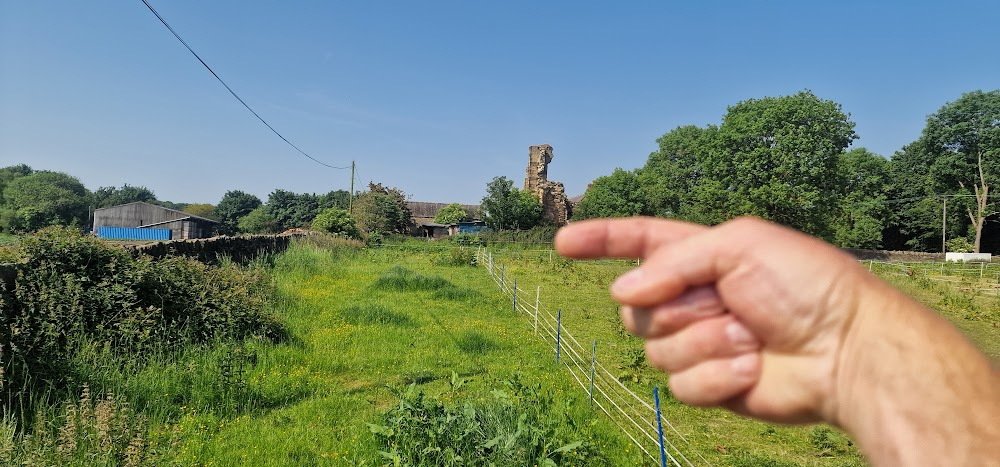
[{"x": 630, "y": 412}]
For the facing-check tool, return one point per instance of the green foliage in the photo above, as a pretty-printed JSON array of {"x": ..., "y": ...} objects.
[
  {"x": 404, "y": 280},
  {"x": 374, "y": 315},
  {"x": 234, "y": 206},
  {"x": 107, "y": 196},
  {"x": 75, "y": 289},
  {"x": 616, "y": 195},
  {"x": 451, "y": 214},
  {"x": 201, "y": 210},
  {"x": 336, "y": 221},
  {"x": 959, "y": 245},
  {"x": 45, "y": 198},
  {"x": 507, "y": 208},
  {"x": 864, "y": 182},
  {"x": 522, "y": 425},
  {"x": 339, "y": 199},
  {"x": 382, "y": 210},
  {"x": 90, "y": 431},
  {"x": 828, "y": 441},
  {"x": 457, "y": 257},
  {"x": 290, "y": 210},
  {"x": 774, "y": 157},
  {"x": 259, "y": 221}
]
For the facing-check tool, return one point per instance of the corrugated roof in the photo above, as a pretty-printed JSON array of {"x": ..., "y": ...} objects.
[{"x": 185, "y": 214}]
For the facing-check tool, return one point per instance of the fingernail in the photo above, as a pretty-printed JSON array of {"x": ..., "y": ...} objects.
[
  {"x": 704, "y": 301},
  {"x": 746, "y": 364},
  {"x": 627, "y": 281},
  {"x": 739, "y": 335}
]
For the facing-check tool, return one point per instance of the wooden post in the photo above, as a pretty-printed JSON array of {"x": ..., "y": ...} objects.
[{"x": 502, "y": 267}]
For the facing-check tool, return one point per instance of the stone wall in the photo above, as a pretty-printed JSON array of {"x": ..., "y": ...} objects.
[
  {"x": 895, "y": 256},
  {"x": 209, "y": 250}
]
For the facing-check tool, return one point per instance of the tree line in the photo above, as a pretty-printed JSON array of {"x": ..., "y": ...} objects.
[
  {"x": 786, "y": 159},
  {"x": 33, "y": 199}
]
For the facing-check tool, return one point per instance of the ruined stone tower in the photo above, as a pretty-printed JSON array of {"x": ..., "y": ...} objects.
[{"x": 556, "y": 208}]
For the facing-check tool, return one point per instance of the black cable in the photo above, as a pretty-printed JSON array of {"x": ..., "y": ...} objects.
[{"x": 230, "y": 89}]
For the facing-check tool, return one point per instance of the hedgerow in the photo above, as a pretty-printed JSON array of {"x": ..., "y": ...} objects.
[{"x": 73, "y": 289}]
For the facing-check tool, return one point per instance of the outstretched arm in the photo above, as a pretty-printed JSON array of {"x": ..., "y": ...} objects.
[{"x": 777, "y": 325}]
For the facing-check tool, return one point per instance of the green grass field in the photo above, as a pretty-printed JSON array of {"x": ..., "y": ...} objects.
[{"x": 369, "y": 331}]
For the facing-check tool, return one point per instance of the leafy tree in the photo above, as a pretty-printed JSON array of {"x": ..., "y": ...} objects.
[
  {"x": 964, "y": 138},
  {"x": 506, "y": 207},
  {"x": 234, "y": 206},
  {"x": 673, "y": 171},
  {"x": 201, "y": 210},
  {"x": 451, "y": 214},
  {"x": 7, "y": 174},
  {"x": 107, "y": 196},
  {"x": 864, "y": 179},
  {"x": 335, "y": 199},
  {"x": 780, "y": 158},
  {"x": 336, "y": 221},
  {"x": 616, "y": 195},
  {"x": 378, "y": 212},
  {"x": 46, "y": 198},
  {"x": 291, "y": 210},
  {"x": 259, "y": 221}
]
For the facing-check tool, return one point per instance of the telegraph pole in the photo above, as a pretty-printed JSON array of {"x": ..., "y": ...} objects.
[{"x": 350, "y": 202}]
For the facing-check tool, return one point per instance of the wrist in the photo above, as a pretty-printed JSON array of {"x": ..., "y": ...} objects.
[{"x": 910, "y": 388}]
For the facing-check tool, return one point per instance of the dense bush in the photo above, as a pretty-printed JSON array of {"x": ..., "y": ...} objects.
[
  {"x": 523, "y": 425},
  {"x": 75, "y": 289},
  {"x": 336, "y": 221}
]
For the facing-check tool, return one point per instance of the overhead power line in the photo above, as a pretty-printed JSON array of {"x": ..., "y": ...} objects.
[{"x": 233, "y": 92}]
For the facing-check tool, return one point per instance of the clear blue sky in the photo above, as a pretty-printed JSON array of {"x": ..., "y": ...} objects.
[{"x": 436, "y": 98}]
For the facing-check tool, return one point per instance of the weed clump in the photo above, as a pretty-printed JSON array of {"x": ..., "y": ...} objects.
[
  {"x": 522, "y": 425},
  {"x": 401, "y": 279},
  {"x": 371, "y": 314},
  {"x": 475, "y": 343}
]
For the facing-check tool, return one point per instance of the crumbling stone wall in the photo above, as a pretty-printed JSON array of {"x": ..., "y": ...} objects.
[{"x": 556, "y": 208}]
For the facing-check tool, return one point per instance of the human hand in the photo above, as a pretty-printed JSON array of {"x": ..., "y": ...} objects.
[{"x": 748, "y": 315}]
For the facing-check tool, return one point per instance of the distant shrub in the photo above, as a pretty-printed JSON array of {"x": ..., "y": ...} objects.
[
  {"x": 336, "y": 221},
  {"x": 456, "y": 257},
  {"x": 959, "y": 245}
]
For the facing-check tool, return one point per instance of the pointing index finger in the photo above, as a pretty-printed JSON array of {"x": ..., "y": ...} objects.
[{"x": 634, "y": 237}]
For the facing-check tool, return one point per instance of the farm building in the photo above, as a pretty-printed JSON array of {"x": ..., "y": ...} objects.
[
  {"x": 144, "y": 221},
  {"x": 424, "y": 213}
]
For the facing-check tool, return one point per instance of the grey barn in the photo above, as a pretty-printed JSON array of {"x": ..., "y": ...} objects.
[{"x": 150, "y": 216}]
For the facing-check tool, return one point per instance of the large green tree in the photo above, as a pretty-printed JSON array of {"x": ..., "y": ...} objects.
[
  {"x": 235, "y": 205},
  {"x": 862, "y": 211},
  {"x": 964, "y": 138},
  {"x": 107, "y": 196},
  {"x": 451, "y": 214},
  {"x": 780, "y": 158},
  {"x": 292, "y": 210},
  {"x": 615, "y": 195},
  {"x": 46, "y": 198},
  {"x": 336, "y": 221},
  {"x": 507, "y": 208}
]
